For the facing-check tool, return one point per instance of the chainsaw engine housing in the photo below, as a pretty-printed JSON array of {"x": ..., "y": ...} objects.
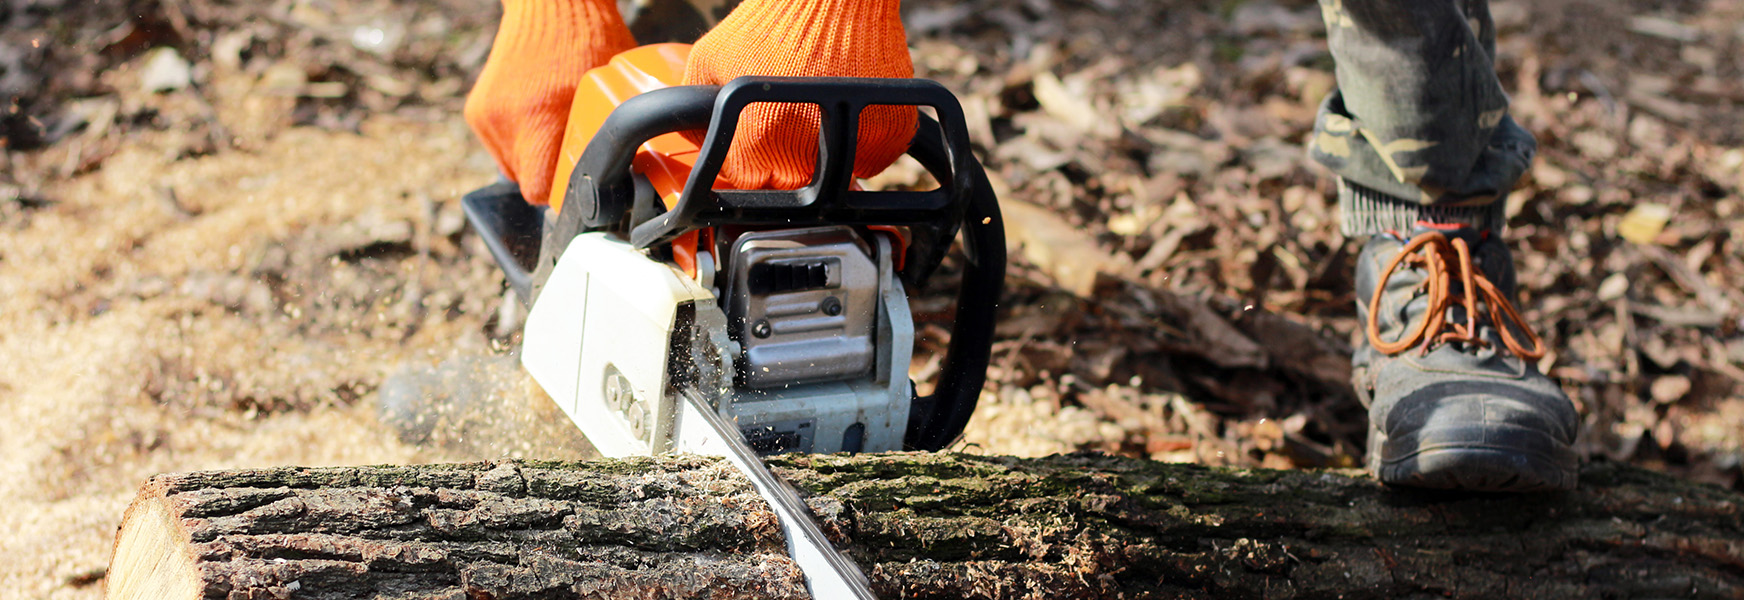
[
  {"x": 616, "y": 338},
  {"x": 802, "y": 304}
]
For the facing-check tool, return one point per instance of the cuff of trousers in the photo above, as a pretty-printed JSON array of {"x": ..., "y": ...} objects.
[
  {"x": 1365, "y": 211},
  {"x": 1340, "y": 144}
]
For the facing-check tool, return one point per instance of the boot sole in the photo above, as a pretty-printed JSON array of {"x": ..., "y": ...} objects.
[{"x": 1478, "y": 459}]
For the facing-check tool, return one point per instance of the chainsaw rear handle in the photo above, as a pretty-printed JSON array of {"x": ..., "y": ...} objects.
[
  {"x": 510, "y": 229},
  {"x": 602, "y": 195}
]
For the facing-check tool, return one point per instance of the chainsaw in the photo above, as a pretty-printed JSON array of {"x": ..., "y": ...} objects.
[{"x": 669, "y": 315}]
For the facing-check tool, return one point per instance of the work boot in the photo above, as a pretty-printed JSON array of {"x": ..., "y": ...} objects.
[{"x": 1448, "y": 368}]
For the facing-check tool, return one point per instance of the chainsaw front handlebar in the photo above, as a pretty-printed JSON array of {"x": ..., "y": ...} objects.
[
  {"x": 937, "y": 420},
  {"x": 602, "y": 195}
]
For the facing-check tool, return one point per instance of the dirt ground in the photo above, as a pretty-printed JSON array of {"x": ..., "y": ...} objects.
[{"x": 224, "y": 225}]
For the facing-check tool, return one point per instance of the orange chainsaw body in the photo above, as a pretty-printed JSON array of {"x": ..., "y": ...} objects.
[{"x": 665, "y": 160}]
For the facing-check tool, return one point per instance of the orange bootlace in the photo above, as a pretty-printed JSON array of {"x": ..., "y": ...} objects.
[{"x": 1435, "y": 252}]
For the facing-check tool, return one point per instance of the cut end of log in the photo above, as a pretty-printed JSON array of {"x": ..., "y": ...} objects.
[
  {"x": 152, "y": 560},
  {"x": 667, "y": 527}
]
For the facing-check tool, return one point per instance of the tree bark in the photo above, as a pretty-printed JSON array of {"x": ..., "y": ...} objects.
[
  {"x": 671, "y": 527},
  {"x": 921, "y": 526}
]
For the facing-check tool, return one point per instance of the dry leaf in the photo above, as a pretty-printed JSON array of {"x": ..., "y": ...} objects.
[
  {"x": 1613, "y": 287},
  {"x": 1670, "y": 388},
  {"x": 1065, "y": 252},
  {"x": 1663, "y": 28},
  {"x": 165, "y": 71},
  {"x": 1065, "y": 105},
  {"x": 1644, "y": 222}
]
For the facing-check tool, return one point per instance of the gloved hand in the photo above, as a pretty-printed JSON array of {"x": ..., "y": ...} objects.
[
  {"x": 520, "y": 105},
  {"x": 776, "y": 145}
]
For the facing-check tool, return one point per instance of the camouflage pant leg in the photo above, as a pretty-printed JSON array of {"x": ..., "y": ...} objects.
[{"x": 1419, "y": 126}]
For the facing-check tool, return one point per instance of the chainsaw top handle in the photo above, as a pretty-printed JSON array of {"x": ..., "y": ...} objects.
[
  {"x": 602, "y": 186},
  {"x": 602, "y": 195}
]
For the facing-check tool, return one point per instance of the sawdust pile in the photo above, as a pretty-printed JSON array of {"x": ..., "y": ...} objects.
[
  {"x": 233, "y": 321},
  {"x": 224, "y": 225}
]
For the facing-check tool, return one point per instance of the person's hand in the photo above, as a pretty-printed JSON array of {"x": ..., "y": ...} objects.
[
  {"x": 775, "y": 146},
  {"x": 520, "y": 105}
]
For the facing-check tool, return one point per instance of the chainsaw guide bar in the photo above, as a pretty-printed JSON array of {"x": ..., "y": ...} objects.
[{"x": 828, "y": 573}]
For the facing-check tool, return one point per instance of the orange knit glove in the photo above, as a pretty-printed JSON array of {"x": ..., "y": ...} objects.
[
  {"x": 775, "y": 146},
  {"x": 521, "y": 102}
]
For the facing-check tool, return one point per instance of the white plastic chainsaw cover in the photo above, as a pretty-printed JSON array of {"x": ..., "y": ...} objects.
[
  {"x": 599, "y": 337},
  {"x": 607, "y": 309}
]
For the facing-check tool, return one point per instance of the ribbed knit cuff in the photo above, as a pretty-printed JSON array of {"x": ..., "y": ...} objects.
[
  {"x": 587, "y": 32},
  {"x": 1364, "y": 211},
  {"x": 520, "y": 105},
  {"x": 864, "y": 38},
  {"x": 775, "y": 146}
]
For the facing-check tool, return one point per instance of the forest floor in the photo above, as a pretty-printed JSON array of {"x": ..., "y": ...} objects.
[{"x": 223, "y": 225}]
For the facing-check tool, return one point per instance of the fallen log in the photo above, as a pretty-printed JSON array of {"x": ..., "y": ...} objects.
[{"x": 921, "y": 526}]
